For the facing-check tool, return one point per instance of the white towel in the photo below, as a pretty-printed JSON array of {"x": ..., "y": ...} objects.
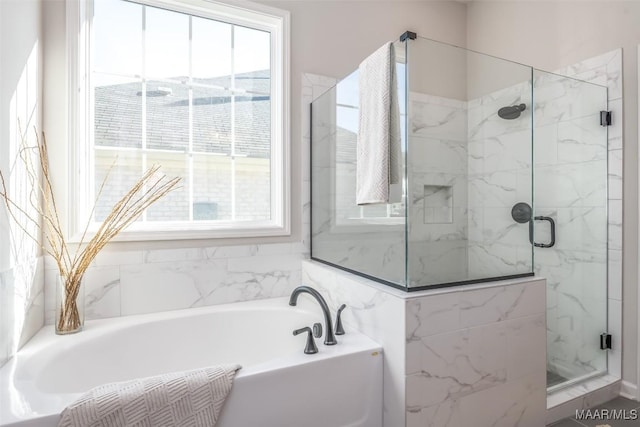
[
  {"x": 378, "y": 155},
  {"x": 192, "y": 398}
]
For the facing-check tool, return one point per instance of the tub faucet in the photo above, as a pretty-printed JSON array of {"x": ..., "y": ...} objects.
[{"x": 329, "y": 338}]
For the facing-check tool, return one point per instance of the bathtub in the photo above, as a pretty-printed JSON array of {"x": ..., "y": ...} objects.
[{"x": 278, "y": 384}]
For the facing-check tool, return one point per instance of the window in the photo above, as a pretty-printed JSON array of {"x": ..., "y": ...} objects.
[{"x": 199, "y": 88}]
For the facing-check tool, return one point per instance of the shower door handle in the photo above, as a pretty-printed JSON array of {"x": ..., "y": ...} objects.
[{"x": 552, "y": 223}]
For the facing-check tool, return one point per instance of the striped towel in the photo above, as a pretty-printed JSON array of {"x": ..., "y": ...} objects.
[{"x": 192, "y": 398}]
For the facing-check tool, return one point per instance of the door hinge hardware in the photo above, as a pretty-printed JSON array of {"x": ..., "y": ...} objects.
[
  {"x": 605, "y": 118},
  {"x": 605, "y": 341}
]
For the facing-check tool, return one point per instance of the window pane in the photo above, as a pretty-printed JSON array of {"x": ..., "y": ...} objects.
[
  {"x": 253, "y": 126},
  {"x": 192, "y": 95},
  {"x": 118, "y": 37},
  {"x": 211, "y": 47},
  {"x": 252, "y": 59},
  {"x": 211, "y": 120},
  {"x": 118, "y": 111},
  {"x": 175, "y": 205},
  {"x": 167, "y": 44},
  {"x": 253, "y": 188},
  {"x": 211, "y": 188},
  {"x": 125, "y": 173},
  {"x": 167, "y": 116}
]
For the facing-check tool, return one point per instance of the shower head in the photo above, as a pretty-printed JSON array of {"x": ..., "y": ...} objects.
[{"x": 512, "y": 112}]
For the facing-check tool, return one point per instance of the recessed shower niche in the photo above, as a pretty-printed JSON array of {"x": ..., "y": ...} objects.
[{"x": 438, "y": 204}]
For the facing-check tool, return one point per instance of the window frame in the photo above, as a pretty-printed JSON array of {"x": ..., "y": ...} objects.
[{"x": 80, "y": 123}]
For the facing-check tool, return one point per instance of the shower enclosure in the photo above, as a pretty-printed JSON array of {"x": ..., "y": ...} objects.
[{"x": 504, "y": 175}]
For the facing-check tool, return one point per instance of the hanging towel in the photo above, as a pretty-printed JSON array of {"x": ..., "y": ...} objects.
[
  {"x": 192, "y": 398},
  {"x": 378, "y": 146}
]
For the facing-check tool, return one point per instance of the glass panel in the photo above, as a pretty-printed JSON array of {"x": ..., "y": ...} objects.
[
  {"x": 167, "y": 116},
  {"x": 211, "y": 52},
  {"x": 124, "y": 168},
  {"x": 118, "y": 111},
  {"x": 166, "y": 44},
  {"x": 118, "y": 51},
  {"x": 571, "y": 187},
  {"x": 367, "y": 239},
  {"x": 175, "y": 205},
  {"x": 212, "y": 120},
  {"x": 252, "y": 59},
  {"x": 212, "y": 188},
  {"x": 252, "y": 126},
  {"x": 253, "y": 188},
  {"x": 467, "y": 165}
]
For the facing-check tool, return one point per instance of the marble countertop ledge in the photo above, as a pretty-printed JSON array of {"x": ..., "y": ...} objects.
[{"x": 427, "y": 292}]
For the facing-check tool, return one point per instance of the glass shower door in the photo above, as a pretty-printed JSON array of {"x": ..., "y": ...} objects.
[{"x": 570, "y": 191}]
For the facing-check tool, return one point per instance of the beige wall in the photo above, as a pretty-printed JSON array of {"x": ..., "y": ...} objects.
[{"x": 549, "y": 35}]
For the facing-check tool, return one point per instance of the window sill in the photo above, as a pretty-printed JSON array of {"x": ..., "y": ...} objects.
[{"x": 166, "y": 231}]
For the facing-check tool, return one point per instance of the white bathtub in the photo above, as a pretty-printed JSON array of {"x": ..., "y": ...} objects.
[{"x": 278, "y": 386}]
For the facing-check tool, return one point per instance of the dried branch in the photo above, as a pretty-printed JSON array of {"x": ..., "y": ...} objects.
[{"x": 151, "y": 187}]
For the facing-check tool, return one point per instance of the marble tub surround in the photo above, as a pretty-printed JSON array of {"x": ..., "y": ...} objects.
[
  {"x": 468, "y": 355},
  {"x": 135, "y": 282}
]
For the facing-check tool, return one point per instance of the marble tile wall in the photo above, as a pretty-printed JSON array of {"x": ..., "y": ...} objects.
[
  {"x": 134, "y": 282},
  {"x": 499, "y": 170},
  {"x": 477, "y": 357},
  {"x": 472, "y": 355},
  {"x": 377, "y": 311},
  {"x": 437, "y": 160}
]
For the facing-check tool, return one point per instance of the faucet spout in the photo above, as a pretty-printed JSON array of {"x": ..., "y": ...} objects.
[{"x": 329, "y": 338}]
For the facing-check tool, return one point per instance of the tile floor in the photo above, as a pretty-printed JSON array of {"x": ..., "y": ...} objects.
[{"x": 618, "y": 403}]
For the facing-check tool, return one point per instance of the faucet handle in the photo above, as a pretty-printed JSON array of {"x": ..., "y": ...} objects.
[
  {"x": 339, "y": 328},
  {"x": 310, "y": 347},
  {"x": 317, "y": 330}
]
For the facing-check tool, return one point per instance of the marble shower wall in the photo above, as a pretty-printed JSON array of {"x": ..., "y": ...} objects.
[
  {"x": 437, "y": 174},
  {"x": 499, "y": 167}
]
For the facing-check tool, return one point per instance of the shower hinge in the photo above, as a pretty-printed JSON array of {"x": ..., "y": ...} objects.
[
  {"x": 605, "y": 341},
  {"x": 605, "y": 118}
]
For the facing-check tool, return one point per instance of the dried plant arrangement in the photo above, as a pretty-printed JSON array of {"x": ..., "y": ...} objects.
[{"x": 72, "y": 264}]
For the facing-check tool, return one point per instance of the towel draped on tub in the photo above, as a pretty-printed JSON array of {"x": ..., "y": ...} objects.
[
  {"x": 191, "y": 398},
  {"x": 378, "y": 167}
]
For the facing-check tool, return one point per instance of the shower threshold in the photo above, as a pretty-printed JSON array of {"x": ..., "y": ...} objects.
[{"x": 565, "y": 383}]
